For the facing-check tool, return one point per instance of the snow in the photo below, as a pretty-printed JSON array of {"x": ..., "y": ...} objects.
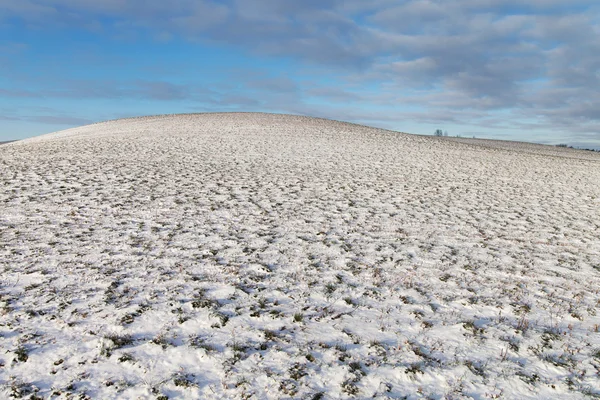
[{"x": 274, "y": 256}]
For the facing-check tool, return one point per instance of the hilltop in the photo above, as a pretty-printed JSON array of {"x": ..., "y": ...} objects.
[{"x": 246, "y": 255}]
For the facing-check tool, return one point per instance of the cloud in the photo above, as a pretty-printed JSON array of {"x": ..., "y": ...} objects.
[
  {"x": 112, "y": 89},
  {"x": 45, "y": 119},
  {"x": 314, "y": 31},
  {"x": 236, "y": 101},
  {"x": 273, "y": 84},
  {"x": 333, "y": 93},
  {"x": 17, "y": 93},
  {"x": 162, "y": 91},
  {"x": 10, "y": 47},
  {"x": 58, "y": 120}
]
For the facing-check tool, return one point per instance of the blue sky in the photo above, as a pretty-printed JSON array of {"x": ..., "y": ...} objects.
[{"x": 499, "y": 69}]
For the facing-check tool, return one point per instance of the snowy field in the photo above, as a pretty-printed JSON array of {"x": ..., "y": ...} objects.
[{"x": 256, "y": 256}]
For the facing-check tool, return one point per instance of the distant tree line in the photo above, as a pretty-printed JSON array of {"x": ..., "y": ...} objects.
[{"x": 577, "y": 148}]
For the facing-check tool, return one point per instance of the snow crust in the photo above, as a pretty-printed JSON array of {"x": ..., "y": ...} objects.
[{"x": 275, "y": 256}]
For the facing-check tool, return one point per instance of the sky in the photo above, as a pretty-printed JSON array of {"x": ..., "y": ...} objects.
[{"x": 499, "y": 69}]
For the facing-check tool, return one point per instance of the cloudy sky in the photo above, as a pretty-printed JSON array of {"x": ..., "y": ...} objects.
[{"x": 504, "y": 69}]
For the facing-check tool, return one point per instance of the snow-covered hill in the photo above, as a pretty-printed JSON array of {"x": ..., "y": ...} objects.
[{"x": 272, "y": 256}]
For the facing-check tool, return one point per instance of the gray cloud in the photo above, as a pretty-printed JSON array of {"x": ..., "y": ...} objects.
[
  {"x": 45, "y": 119},
  {"x": 273, "y": 84},
  {"x": 112, "y": 89},
  {"x": 333, "y": 93},
  {"x": 17, "y": 93}
]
